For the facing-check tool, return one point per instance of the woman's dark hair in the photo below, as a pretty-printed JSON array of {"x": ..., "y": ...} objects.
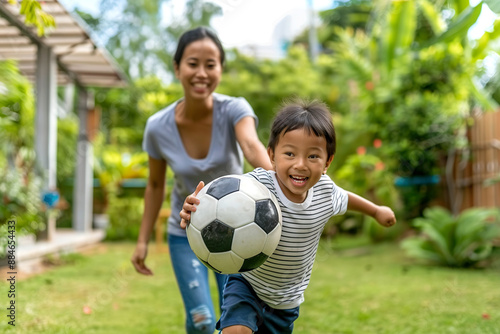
[
  {"x": 194, "y": 35},
  {"x": 314, "y": 116}
]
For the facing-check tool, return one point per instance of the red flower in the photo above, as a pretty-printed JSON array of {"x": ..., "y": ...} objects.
[
  {"x": 377, "y": 143},
  {"x": 379, "y": 165},
  {"x": 486, "y": 316},
  {"x": 361, "y": 150}
]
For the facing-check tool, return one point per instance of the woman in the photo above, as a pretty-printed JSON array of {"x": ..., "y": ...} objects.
[{"x": 201, "y": 137}]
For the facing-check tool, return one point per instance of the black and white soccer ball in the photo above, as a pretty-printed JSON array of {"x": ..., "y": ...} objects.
[{"x": 236, "y": 226}]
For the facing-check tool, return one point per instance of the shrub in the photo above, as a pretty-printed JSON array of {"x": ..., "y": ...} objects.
[
  {"x": 462, "y": 241},
  {"x": 125, "y": 216}
]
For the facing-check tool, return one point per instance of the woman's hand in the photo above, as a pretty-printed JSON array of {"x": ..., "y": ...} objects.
[
  {"x": 138, "y": 259},
  {"x": 190, "y": 205}
]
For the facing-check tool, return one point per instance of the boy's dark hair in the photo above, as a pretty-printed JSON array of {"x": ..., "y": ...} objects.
[
  {"x": 194, "y": 35},
  {"x": 314, "y": 116}
]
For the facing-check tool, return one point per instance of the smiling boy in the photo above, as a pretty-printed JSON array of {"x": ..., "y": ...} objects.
[{"x": 301, "y": 147}]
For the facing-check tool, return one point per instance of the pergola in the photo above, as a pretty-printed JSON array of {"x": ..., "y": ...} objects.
[{"x": 66, "y": 56}]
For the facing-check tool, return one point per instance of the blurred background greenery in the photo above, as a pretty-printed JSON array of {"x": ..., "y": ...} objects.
[{"x": 402, "y": 78}]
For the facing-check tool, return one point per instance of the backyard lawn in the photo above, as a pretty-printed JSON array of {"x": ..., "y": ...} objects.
[{"x": 355, "y": 288}]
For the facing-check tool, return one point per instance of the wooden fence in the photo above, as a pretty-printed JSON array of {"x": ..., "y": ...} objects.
[{"x": 475, "y": 169}]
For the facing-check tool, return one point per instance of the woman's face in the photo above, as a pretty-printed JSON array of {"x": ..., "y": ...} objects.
[{"x": 200, "y": 69}]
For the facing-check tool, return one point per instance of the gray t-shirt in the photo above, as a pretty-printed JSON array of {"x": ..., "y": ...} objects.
[{"x": 162, "y": 141}]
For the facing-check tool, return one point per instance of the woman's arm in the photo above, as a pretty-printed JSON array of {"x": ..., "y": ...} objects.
[
  {"x": 252, "y": 147},
  {"x": 153, "y": 199},
  {"x": 383, "y": 214}
]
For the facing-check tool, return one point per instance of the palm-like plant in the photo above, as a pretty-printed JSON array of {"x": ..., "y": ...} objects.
[{"x": 461, "y": 241}]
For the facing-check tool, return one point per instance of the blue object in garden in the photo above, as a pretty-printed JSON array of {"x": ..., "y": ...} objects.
[
  {"x": 417, "y": 180},
  {"x": 50, "y": 198}
]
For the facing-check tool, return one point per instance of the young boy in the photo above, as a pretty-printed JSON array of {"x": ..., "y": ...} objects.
[{"x": 301, "y": 148}]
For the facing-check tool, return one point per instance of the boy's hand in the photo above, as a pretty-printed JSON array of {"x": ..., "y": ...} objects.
[
  {"x": 190, "y": 205},
  {"x": 385, "y": 216}
]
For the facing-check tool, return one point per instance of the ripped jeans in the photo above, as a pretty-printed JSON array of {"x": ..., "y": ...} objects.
[{"x": 192, "y": 279}]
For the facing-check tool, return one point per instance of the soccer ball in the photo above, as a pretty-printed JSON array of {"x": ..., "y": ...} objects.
[{"x": 236, "y": 226}]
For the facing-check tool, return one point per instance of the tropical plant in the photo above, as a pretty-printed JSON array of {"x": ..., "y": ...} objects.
[
  {"x": 366, "y": 174},
  {"x": 265, "y": 83},
  {"x": 454, "y": 241},
  {"x": 20, "y": 181},
  {"x": 112, "y": 168},
  {"x": 413, "y": 89}
]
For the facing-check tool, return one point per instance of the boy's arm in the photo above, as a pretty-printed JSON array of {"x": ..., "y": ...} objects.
[
  {"x": 383, "y": 214},
  {"x": 190, "y": 205}
]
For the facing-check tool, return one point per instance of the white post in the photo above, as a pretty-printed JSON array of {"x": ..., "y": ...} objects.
[
  {"x": 313, "y": 38},
  {"x": 46, "y": 122},
  {"x": 83, "y": 186}
]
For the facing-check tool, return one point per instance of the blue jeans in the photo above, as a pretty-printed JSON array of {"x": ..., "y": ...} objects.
[{"x": 192, "y": 279}]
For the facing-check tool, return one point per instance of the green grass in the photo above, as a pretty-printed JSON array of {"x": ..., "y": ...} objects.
[{"x": 373, "y": 289}]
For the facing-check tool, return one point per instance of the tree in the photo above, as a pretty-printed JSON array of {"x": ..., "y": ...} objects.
[
  {"x": 266, "y": 83},
  {"x": 413, "y": 91},
  {"x": 140, "y": 37},
  {"x": 354, "y": 14}
]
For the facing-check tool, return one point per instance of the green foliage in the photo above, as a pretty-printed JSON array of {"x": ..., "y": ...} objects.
[
  {"x": 140, "y": 37},
  {"x": 112, "y": 167},
  {"x": 493, "y": 5},
  {"x": 368, "y": 175},
  {"x": 412, "y": 89},
  {"x": 20, "y": 190},
  {"x": 492, "y": 180},
  {"x": 20, "y": 184},
  {"x": 266, "y": 83},
  {"x": 67, "y": 136},
  {"x": 365, "y": 173},
  {"x": 463, "y": 241},
  {"x": 354, "y": 14},
  {"x": 377, "y": 233},
  {"x": 124, "y": 226},
  {"x": 35, "y": 16},
  {"x": 458, "y": 27},
  {"x": 17, "y": 108},
  {"x": 126, "y": 110}
]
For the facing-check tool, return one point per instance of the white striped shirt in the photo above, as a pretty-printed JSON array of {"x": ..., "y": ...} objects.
[{"x": 283, "y": 278}]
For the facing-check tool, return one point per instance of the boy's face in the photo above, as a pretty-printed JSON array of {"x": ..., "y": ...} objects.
[{"x": 299, "y": 159}]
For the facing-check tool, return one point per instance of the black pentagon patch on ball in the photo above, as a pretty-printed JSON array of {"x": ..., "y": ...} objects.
[
  {"x": 266, "y": 215},
  {"x": 209, "y": 266},
  {"x": 253, "y": 262},
  {"x": 217, "y": 236},
  {"x": 223, "y": 186}
]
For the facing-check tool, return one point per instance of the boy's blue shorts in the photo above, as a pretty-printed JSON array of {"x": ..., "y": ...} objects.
[{"x": 241, "y": 306}]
